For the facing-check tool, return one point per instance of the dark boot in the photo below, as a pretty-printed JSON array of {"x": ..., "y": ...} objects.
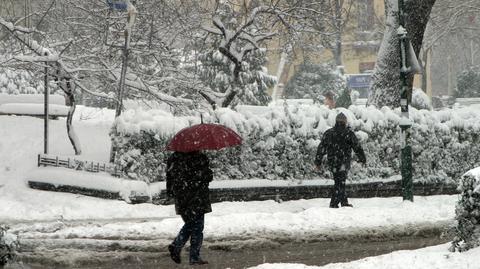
[
  {"x": 347, "y": 205},
  {"x": 174, "y": 254}
]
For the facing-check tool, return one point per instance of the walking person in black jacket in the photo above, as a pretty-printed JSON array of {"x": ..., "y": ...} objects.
[
  {"x": 188, "y": 176},
  {"x": 337, "y": 143}
]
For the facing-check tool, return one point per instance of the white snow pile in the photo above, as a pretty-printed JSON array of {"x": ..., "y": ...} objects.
[
  {"x": 280, "y": 141},
  {"x": 31, "y": 99},
  {"x": 420, "y": 99},
  {"x": 32, "y": 104},
  {"x": 92, "y": 116},
  {"x": 436, "y": 257},
  {"x": 33, "y": 109},
  {"x": 155, "y": 121}
]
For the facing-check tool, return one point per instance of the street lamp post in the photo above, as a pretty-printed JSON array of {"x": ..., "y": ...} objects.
[
  {"x": 46, "y": 110},
  {"x": 405, "y": 123}
]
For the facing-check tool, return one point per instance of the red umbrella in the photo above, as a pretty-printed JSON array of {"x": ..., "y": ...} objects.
[{"x": 205, "y": 136}]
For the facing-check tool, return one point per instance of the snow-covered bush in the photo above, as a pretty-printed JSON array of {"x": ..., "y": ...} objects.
[
  {"x": 281, "y": 142},
  {"x": 468, "y": 83},
  {"x": 467, "y": 230},
  {"x": 140, "y": 138},
  {"x": 420, "y": 100},
  {"x": 19, "y": 82},
  {"x": 310, "y": 81},
  {"x": 8, "y": 245}
]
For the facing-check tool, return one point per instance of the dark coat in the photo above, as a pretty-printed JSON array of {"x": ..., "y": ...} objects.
[
  {"x": 337, "y": 143},
  {"x": 188, "y": 176}
]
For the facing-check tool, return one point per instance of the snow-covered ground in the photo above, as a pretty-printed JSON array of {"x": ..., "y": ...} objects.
[
  {"x": 266, "y": 219},
  {"x": 31, "y": 212},
  {"x": 21, "y": 139},
  {"x": 436, "y": 257}
]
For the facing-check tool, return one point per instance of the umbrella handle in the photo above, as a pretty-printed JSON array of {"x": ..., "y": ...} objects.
[{"x": 201, "y": 118}]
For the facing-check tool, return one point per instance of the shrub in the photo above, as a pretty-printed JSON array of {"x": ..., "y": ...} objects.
[
  {"x": 312, "y": 80},
  {"x": 468, "y": 83},
  {"x": 8, "y": 245},
  {"x": 281, "y": 143},
  {"x": 420, "y": 100},
  {"x": 467, "y": 230}
]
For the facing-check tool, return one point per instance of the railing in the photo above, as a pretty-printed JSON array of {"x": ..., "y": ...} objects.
[{"x": 71, "y": 163}]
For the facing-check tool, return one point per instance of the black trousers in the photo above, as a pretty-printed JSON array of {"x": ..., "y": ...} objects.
[
  {"x": 193, "y": 230},
  {"x": 338, "y": 192}
]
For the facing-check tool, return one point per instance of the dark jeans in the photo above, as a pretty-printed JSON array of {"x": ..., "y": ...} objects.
[
  {"x": 193, "y": 229},
  {"x": 338, "y": 193}
]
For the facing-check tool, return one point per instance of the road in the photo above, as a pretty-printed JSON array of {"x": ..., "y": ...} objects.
[{"x": 310, "y": 253}]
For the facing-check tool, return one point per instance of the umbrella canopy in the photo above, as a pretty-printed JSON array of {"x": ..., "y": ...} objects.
[{"x": 205, "y": 136}]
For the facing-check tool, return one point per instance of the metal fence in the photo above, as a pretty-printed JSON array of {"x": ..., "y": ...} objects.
[{"x": 71, "y": 163}]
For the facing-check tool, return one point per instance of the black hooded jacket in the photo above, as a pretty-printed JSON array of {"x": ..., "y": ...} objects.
[{"x": 337, "y": 143}]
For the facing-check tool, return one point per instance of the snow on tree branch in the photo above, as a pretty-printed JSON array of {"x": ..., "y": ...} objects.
[
  {"x": 137, "y": 83},
  {"x": 237, "y": 42}
]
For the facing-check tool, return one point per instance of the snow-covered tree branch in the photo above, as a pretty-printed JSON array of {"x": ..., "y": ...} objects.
[{"x": 235, "y": 45}]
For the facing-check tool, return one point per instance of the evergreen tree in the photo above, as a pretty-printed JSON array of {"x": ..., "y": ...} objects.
[
  {"x": 312, "y": 80},
  {"x": 218, "y": 71},
  {"x": 344, "y": 100},
  {"x": 468, "y": 83},
  {"x": 467, "y": 230}
]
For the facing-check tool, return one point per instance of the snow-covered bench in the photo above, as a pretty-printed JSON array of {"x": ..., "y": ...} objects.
[{"x": 32, "y": 105}]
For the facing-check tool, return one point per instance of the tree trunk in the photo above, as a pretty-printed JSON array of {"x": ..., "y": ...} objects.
[
  {"x": 338, "y": 35},
  {"x": 236, "y": 84},
  {"x": 385, "y": 90},
  {"x": 70, "y": 130},
  {"x": 338, "y": 50},
  {"x": 424, "y": 69}
]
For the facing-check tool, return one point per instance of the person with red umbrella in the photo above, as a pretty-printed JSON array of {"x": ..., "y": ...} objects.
[{"x": 188, "y": 177}]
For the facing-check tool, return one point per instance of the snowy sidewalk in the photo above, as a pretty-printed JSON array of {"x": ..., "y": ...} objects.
[
  {"x": 90, "y": 227},
  {"x": 300, "y": 219}
]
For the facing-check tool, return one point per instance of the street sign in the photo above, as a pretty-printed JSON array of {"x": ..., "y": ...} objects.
[
  {"x": 117, "y": 5},
  {"x": 359, "y": 81}
]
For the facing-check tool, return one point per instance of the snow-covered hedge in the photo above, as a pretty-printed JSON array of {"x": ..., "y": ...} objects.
[
  {"x": 19, "y": 82},
  {"x": 281, "y": 141},
  {"x": 8, "y": 246},
  {"x": 467, "y": 213}
]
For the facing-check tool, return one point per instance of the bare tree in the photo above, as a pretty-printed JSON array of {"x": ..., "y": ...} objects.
[
  {"x": 323, "y": 23},
  {"x": 452, "y": 39},
  {"x": 80, "y": 42}
]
